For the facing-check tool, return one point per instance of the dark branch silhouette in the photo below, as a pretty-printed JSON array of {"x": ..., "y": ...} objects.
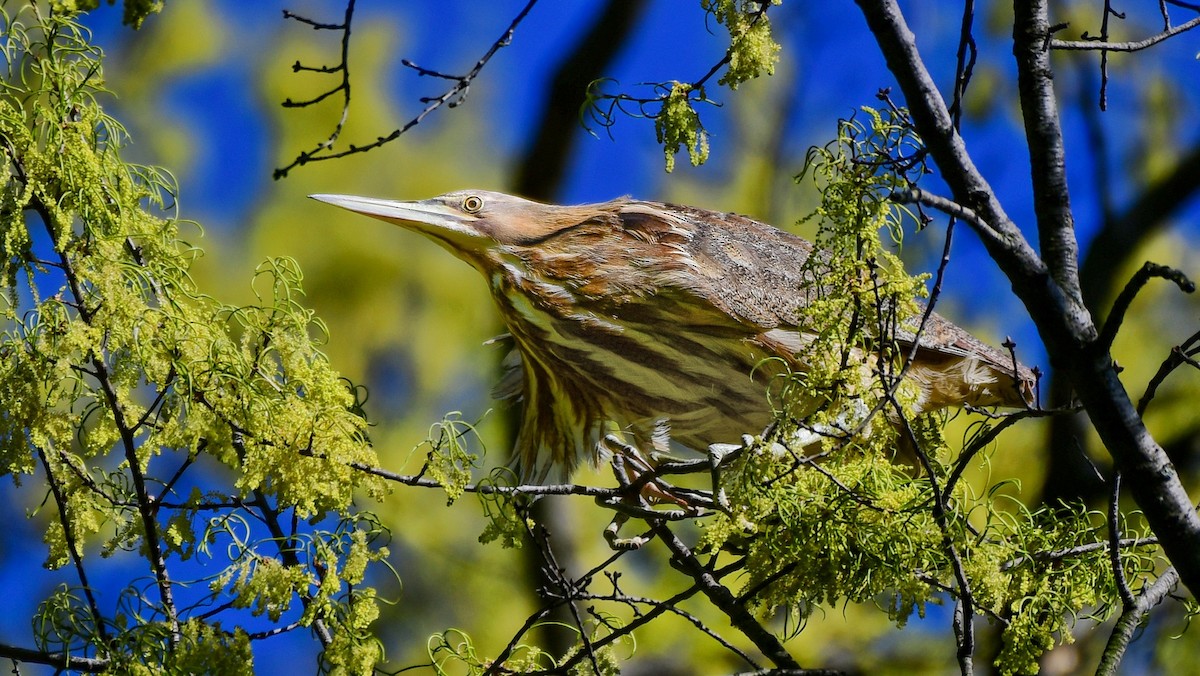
[{"x": 451, "y": 98}]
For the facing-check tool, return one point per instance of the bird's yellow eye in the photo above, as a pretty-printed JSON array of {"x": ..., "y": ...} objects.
[{"x": 472, "y": 204}]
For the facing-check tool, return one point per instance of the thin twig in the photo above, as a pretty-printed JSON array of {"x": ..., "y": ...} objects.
[
  {"x": 660, "y": 608},
  {"x": 964, "y": 62},
  {"x": 1068, "y": 552},
  {"x": 1114, "y": 543},
  {"x": 946, "y": 206},
  {"x": 1096, "y": 45},
  {"x": 685, "y": 561},
  {"x": 1116, "y": 316},
  {"x": 146, "y": 508},
  {"x": 284, "y": 544},
  {"x": 73, "y": 549},
  {"x": 569, "y": 588},
  {"x": 1107, "y": 14},
  {"x": 607, "y": 118},
  {"x": 451, "y": 97},
  {"x": 1179, "y": 355},
  {"x": 343, "y": 86},
  {"x": 977, "y": 445},
  {"x": 964, "y": 628}
]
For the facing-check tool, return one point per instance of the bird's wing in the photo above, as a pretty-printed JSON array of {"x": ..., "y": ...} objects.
[
  {"x": 763, "y": 276},
  {"x": 746, "y": 269}
]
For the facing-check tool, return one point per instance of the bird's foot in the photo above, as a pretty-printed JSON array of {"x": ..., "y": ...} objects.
[
  {"x": 636, "y": 472},
  {"x": 641, "y": 492},
  {"x": 617, "y": 543}
]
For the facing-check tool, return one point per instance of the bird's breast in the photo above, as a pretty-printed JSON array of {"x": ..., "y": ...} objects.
[{"x": 643, "y": 360}]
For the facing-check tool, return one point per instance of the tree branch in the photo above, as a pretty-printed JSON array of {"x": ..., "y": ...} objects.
[
  {"x": 147, "y": 509},
  {"x": 73, "y": 546},
  {"x": 450, "y": 98},
  {"x": 1003, "y": 239},
  {"x": 1144, "y": 274},
  {"x": 946, "y": 206},
  {"x": 284, "y": 544},
  {"x": 58, "y": 660},
  {"x": 1130, "y": 618},
  {"x": 1100, "y": 45},
  {"x": 1120, "y": 237},
  {"x": 1064, "y": 324},
  {"x": 685, "y": 561},
  {"x": 1047, "y": 156}
]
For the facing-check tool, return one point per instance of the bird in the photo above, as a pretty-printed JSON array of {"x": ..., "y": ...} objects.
[{"x": 656, "y": 319}]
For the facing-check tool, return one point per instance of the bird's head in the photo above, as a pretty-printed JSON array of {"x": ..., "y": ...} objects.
[{"x": 470, "y": 223}]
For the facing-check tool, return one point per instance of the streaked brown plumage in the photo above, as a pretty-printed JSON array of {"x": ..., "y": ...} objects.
[{"x": 652, "y": 316}]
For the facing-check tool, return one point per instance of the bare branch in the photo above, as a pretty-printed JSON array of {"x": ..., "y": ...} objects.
[
  {"x": 1047, "y": 156},
  {"x": 685, "y": 561},
  {"x": 491, "y": 488},
  {"x": 1103, "y": 46},
  {"x": 1144, "y": 274},
  {"x": 932, "y": 119},
  {"x": 964, "y": 61},
  {"x": 1181, "y": 354},
  {"x": 59, "y": 660},
  {"x": 450, "y": 98},
  {"x": 1131, "y": 617},
  {"x": 343, "y": 86},
  {"x": 1114, "y": 543},
  {"x": 946, "y": 206}
]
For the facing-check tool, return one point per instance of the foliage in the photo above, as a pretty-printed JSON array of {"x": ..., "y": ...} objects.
[
  {"x": 136, "y": 11},
  {"x": 145, "y": 405},
  {"x": 678, "y": 124},
  {"x": 449, "y": 460},
  {"x": 752, "y": 50}
]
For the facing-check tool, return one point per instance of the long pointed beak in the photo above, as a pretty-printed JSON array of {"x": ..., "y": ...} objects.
[{"x": 427, "y": 216}]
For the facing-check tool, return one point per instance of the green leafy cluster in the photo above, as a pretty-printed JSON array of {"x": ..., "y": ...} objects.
[
  {"x": 449, "y": 460},
  {"x": 678, "y": 124},
  {"x": 506, "y": 512},
  {"x": 752, "y": 49},
  {"x": 862, "y": 304},
  {"x": 858, "y": 528},
  {"x": 819, "y": 523},
  {"x": 752, "y": 52},
  {"x": 207, "y": 649},
  {"x": 453, "y": 651},
  {"x": 118, "y": 377},
  {"x": 136, "y": 11}
]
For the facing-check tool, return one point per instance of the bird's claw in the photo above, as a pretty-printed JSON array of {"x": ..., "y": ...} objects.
[{"x": 619, "y": 543}]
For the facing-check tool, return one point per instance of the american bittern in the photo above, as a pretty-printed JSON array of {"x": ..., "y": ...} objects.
[{"x": 653, "y": 316}]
